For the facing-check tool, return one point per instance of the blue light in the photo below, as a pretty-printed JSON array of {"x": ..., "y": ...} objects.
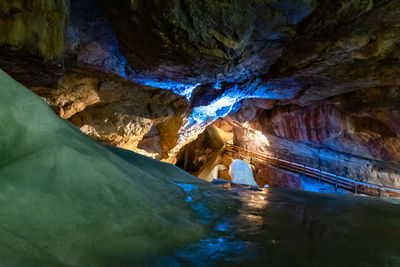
[
  {"x": 113, "y": 61},
  {"x": 176, "y": 87},
  {"x": 217, "y": 85},
  {"x": 218, "y": 108},
  {"x": 228, "y": 102},
  {"x": 202, "y": 210},
  {"x": 223, "y": 226},
  {"x": 316, "y": 186},
  {"x": 186, "y": 187},
  {"x": 121, "y": 66}
]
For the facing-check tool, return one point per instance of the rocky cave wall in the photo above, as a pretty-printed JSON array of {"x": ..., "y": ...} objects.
[
  {"x": 318, "y": 78},
  {"x": 37, "y": 27},
  {"x": 134, "y": 117},
  {"x": 355, "y": 135}
]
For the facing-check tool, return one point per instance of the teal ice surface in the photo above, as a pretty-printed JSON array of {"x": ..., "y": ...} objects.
[{"x": 68, "y": 200}]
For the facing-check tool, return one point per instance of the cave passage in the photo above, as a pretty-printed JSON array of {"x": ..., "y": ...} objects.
[{"x": 214, "y": 156}]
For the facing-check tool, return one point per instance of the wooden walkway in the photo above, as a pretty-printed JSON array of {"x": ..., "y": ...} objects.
[{"x": 338, "y": 181}]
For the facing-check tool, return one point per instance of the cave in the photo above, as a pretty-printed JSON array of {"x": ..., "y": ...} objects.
[{"x": 199, "y": 133}]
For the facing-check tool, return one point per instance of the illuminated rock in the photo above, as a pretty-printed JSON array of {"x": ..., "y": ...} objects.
[
  {"x": 355, "y": 135},
  {"x": 273, "y": 177}
]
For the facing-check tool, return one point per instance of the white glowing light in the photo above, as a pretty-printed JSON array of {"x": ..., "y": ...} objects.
[
  {"x": 261, "y": 137},
  {"x": 218, "y": 108}
]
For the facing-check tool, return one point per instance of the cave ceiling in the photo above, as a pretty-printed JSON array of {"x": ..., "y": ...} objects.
[
  {"x": 292, "y": 49},
  {"x": 287, "y": 49},
  {"x": 217, "y": 53}
]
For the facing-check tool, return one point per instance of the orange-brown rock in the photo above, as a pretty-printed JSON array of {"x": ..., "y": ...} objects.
[
  {"x": 224, "y": 174},
  {"x": 274, "y": 177},
  {"x": 227, "y": 161},
  {"x": 355, "y": 135},
  {"x": 134, "y": 117}
]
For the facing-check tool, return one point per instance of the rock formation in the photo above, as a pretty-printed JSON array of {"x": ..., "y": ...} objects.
[
  {"x": 355, "y": 135},
  {"x": 316, "y": 77}
]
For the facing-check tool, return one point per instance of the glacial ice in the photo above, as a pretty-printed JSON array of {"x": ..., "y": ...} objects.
[
  {"x": 241, "y": 173},
  {"x": 68, "y": 200}
]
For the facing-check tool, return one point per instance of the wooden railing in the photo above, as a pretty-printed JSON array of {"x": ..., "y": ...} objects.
[{"x": 338, "y": 181}]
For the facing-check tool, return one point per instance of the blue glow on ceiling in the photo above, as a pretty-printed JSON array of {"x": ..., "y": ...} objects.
[
  {"x": 217, "y": 85},
  {"x": 113, "y": 61},
  {"x": 110, "y": 59},
  {"x": 256, "y": 88},
  {"x": 218, "y": 108},
  {"x": 182, "y": 89},
  {"x": 178, "y": 88},
  {"x": 185, "y": 90}
]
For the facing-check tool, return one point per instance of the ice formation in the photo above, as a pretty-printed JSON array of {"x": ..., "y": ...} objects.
[
  {"x": 241, "y": 173},
  {"x": 68, "y": 200}
]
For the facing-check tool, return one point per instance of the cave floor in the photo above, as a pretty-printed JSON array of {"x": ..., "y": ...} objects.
[{"x": 283, "y": 227}]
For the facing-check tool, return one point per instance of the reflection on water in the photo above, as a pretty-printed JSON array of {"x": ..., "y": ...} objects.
[{"x": 277, "y": 227}]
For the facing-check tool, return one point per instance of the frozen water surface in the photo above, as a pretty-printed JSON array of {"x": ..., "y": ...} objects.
[
  {"x": 283, "y": 227},
  {"x": 66, "y": 200}
]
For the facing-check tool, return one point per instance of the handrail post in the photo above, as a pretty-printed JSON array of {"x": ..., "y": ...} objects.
[
  {"x": 379, "y": 191},
  {"x": 319, "y": 175},
  {"x": 356, "y": 186},
  {"x": 336, "y": 185},
  {"x": 304, "y": 170},
  {"x": 277, "y": 162},
  {"x": 290, "y": 166}
]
